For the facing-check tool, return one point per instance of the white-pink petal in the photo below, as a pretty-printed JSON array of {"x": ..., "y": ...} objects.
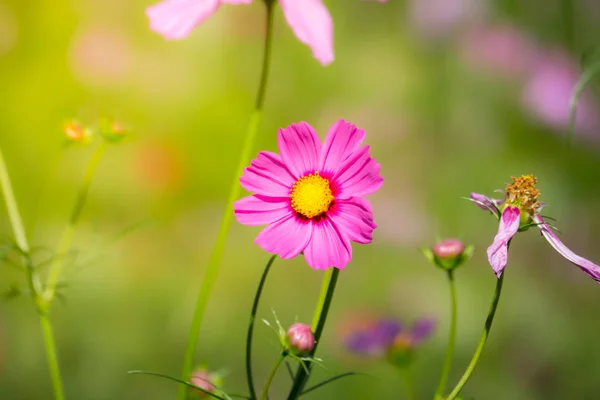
[
  {"x": 300, "y": 148},
  {"x": 507, "y": 228},
  {"x": 268, "y": 175},
  {"x": 328, "y": 247},
  {"x": 312, "y": 25},
  {"x": 175, "y": 19},
  {"x": 585, "y": 265},
  {"x": 260, "y": 210},
  {"x": 341, "y": 141},
  {"x": 286, "y": 237}
]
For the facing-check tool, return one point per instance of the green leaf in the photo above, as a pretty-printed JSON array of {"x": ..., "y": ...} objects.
[{"x": 325, "y": 382}]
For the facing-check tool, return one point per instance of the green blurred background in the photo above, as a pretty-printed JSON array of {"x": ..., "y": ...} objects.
[{"x": 455, "y": 95}]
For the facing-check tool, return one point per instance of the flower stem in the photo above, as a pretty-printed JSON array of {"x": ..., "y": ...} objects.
[
  {"x": 67, "y": 236},
  {"x": 234, "y": 193},
  {"x": 265, "y": 391},
  {"x": 482, "y": 340},
  {"x": 451, "y": 339},
  {"x": 409, "y": 387},
  {"x": 329, "y": 281},
  {"x": 34, "y": 283},
  {"x": 251, "y": 327}
]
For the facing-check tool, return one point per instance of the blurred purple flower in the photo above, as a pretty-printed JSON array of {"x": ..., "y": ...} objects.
[
  {"x": 384, "y": 335},
  {"x": 519, "y": 210},
  {"x": 438, "y": 18},
  {"x": 499, "y": 50},
  {"x": 548, "y": 92}
]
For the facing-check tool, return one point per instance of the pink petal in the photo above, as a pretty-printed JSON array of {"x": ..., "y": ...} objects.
[
  {"x": 312, "y": 25},
  {"x": 299, "y": 146},
  {"x": 328, "y": 247},
  {"x": 484, "y": 202},
  {"x": 357, "y": 176},
  {"x": 286, "y": 237},
  {"x": 585, "y": 265},
  {"x": 508, "y": 227},
  {"x": 341, "y": 141},
  {"x": 268, "y": 175},
  {"x": 260, "y": 210},
  {"x": 355, "y": 218},
  {"x": 175, "y": 19}
]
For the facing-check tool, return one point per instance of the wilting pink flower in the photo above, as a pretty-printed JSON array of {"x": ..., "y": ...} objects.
[
  {"x": 311, "y": 196},
  {"x": 309, "y": 19},
  {"x": 519, "y": 210},
  {"x": 385, "y": 335}
]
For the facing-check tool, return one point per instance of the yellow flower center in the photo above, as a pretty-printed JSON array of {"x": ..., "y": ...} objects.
[
  {"x": 311, "y": 195},
  {"x": 523, "y": 194}
]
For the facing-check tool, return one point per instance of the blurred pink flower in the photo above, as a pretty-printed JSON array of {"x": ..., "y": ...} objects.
[
  {"x": 499, "y": 50},
  {"x": 309, "y": 19},
  {"x": 548, "y": 92},
  {"x": 101, "y": 56},
  {"x": 311, "y": 196},
  {"x": 437, "y": 18}
]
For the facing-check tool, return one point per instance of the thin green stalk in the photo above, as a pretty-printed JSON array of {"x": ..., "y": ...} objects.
[
  {"x": 234, "y": 193},
  {"x": 64, "y": 243},
  {"x": 261, "y": 284},
  {"x": 322, "y": 296},
  {"x": 409, "y": 387},
  {"x": 585, "y": 78},
  {"x": 35, "y": 286},
  {"x": 265, "y": 391},
  {"x": 320, "y": 317},
  {"x": 567, "y": 11},
  {"x": 451, "y": 339},
  {"x": 482, "y": 340}
]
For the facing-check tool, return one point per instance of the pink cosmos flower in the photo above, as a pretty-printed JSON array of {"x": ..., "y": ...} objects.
[
  {"x": 309, "y": 19},
  {"x": 311, "y": 196},
  {"x": 521, "y": 210}
]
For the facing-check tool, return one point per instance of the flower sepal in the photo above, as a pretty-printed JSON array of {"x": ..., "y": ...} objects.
[{"x": 113, "y": 131}]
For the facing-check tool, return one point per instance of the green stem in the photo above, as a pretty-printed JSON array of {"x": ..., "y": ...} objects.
[
  {"x": 261, "y": 284},
  {"x": 409, "y": 387},
  {"x": 585, "y": 78},
  {"x": 64, "y": 243},
  {"x": 451, "y": 339},
  {"x": 34, "y": 284},
  {"x": 234, "y": 193},
  {"x": 482, "y": 340},
  {"x": 331, "y": 277},
  {"x": 265, "y": 391}
]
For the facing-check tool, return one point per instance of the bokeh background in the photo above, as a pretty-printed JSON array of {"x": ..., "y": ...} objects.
[{"x": 455, "y": 95}]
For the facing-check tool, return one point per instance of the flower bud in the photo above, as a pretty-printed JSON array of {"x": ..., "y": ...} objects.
[
  {"x": 76, "y": 133},
  {"x": 400, "y": 353},
  {"x": 300, "y": 339},
  {"x": 112, "y": 131},
  {"x": 449, "y": 254},
  {"x": 202, "y": 379}
]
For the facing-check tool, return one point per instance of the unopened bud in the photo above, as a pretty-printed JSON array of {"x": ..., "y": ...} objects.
[
  {"x": 112, "y": 131},
  {"x": 75, "y": 132},
  {"x": 202, "y": 378},
  {"x": 300, "y": 338},
  {"x": 449, "y": 254}
]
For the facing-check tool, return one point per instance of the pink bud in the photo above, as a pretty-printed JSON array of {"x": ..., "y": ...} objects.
[
  {"x": 448, "y": 248},
  {"x": 202, "y": 379},
  {"x": 300, "y": 338}
]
